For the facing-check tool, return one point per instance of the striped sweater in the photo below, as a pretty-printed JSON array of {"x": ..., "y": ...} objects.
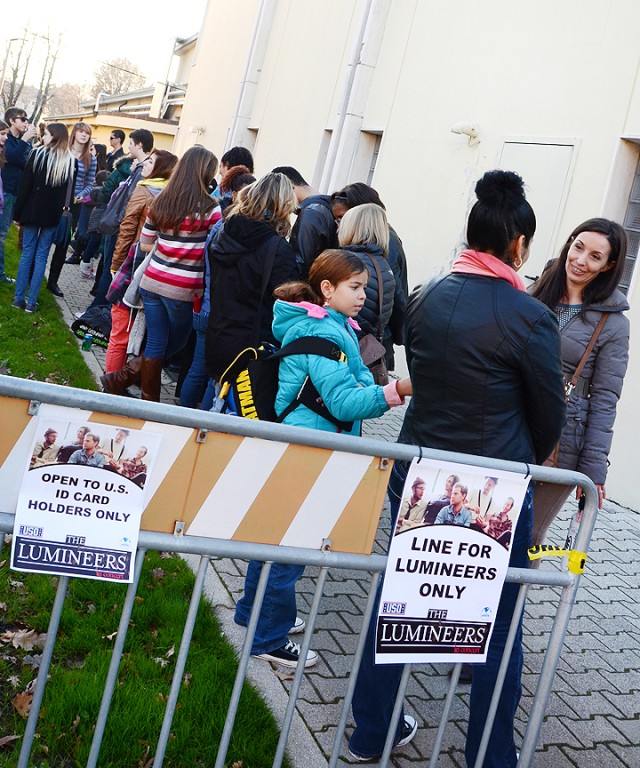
[{"x": 176, "y": 269}]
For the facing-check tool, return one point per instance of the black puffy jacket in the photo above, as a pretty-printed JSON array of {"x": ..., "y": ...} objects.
[
  {"x": 237, "y": 259},
  {"x": 368, "y": 317},
  {"x": 484, "y": 360}
]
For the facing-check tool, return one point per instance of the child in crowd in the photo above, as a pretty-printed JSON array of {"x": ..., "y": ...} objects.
[{"x": 324, "y": 307}]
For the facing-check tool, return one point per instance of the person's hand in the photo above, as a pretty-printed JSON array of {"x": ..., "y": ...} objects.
[
  {"x": 602, "y": 494},
  {"x": 30, "y": 133},
  {"x": 404, "y": 387}
]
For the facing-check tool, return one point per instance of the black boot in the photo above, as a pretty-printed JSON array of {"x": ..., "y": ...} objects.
[{"x": 55, "y": 290}]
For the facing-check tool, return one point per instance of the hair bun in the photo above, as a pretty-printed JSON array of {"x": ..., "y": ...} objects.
[{"x": 499, "y": 188}]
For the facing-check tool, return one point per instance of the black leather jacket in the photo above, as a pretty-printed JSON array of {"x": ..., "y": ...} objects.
[{"x": 484, "y": 359}]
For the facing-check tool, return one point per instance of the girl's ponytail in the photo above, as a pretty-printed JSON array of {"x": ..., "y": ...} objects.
[{"x": 297, "y": 291}]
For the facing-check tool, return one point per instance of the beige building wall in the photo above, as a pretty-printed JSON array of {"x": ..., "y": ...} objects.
[{"x": 552, "y": 89}]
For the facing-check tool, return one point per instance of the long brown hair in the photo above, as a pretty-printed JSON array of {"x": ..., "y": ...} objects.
[
  {"x": 186, "y": 196},
  {"x": 334, "y": 265},
  {"x": 552, "y": 284},
  {"x": 85, "y": 157}
]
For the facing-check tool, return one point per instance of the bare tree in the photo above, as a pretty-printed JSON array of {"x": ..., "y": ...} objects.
[
  {"x": 44, "y": 91},
  {"x": 14, "y": 71},
  {"x": 117, "y": 76},
  {"x": 15, "y": 90},
  {"x": 65, "y": 99}
]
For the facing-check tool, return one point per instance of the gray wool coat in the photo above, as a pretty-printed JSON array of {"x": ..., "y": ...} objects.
[{"x": 586, "y": 438}]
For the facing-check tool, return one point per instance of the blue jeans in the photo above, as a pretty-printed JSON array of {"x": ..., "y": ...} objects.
[
  {"x": 195, "y": 383},
  {"x": 377, "y": 685},
  {"x": 6, "y": 218},
  {"x": 278, "y": 612},
  {"x": 36, "y": 243},
  {"x": 168, "y": 324}
]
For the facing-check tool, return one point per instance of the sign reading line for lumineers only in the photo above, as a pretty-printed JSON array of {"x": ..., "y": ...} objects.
[
  {"x": 447, "y": 563},
  {"x": 82, "y": 498}
]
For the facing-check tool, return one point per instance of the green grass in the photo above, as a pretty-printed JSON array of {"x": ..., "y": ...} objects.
[
  {"x": 39, "y": 346},
  {"x": 81, "y": 660},
  {"x": 42, "y": 347}
]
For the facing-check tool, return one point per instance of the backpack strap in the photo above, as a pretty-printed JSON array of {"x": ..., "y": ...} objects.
[{"x": 308, "y": 395}]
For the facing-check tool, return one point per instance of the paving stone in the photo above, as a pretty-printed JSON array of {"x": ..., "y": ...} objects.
[{"x": 592, "y": 714}]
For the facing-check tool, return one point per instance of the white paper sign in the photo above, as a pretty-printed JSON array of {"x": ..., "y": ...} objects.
[
  {"x": 447, "y": 563},
  {"x": 82, "y": 498}
]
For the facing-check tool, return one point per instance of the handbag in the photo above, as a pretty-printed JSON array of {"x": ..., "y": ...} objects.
[
  {"x": 372, "y": 350},
  {"x": 549, "y": 498},
  {"x": 62, "y": 235},
  {"x": 132, "y": 296}
]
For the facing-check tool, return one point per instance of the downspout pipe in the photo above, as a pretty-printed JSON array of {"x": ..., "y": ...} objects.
[
  {"x": 237, "y": 133},
  {"x": 364, "y": 56}
]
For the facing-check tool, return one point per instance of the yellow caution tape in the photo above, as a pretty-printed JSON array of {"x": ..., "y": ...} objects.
[{"x": 577, "y": 560}]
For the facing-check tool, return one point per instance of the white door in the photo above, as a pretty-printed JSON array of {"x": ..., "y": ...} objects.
[{"x": 545, "y": 169}]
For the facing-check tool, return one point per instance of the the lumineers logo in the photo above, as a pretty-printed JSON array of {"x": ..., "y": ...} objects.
[
  {"x": 430, "y": 636},
  {"x": 70, "y": 559},
  {"x": 33, "y": 531}
]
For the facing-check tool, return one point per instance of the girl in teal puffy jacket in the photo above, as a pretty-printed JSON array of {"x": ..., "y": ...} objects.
[{"x": 324, "y": 307}]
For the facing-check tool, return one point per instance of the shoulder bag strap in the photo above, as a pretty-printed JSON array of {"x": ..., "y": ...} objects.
[
  {"x": 380, "y": 288},
  {"x": 583, "y": 361},
  {"x": 67, "y": 199}
]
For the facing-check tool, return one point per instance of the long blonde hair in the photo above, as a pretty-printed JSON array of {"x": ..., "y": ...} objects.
[
  {"x": 270, "y": 199},
  {"x": 56, "y": 156},
  {"x": 364, "y": 224}
]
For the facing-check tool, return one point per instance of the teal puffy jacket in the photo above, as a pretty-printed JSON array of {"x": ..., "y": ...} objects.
[{"x": 346, "y": 388}]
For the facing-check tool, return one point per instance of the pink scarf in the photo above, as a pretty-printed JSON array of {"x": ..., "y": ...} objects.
[{"x": 478, "y": 263}]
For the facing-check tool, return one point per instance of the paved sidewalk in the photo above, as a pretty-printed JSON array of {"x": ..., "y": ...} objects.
[{"x": 593, "y": 718}]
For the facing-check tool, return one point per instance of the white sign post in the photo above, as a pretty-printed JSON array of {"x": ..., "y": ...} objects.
[
  {"x": 81, "y": 499},
  {"x": 447, "y": 563}
]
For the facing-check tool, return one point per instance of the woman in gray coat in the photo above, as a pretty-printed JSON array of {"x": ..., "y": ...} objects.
[{"x": 580, "y": 286}]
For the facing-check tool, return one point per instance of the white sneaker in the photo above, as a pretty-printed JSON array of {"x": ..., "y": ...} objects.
[{"x": 299, "y": 626}]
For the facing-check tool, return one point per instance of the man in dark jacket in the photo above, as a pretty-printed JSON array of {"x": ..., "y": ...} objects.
[
  {"x": 16, "y": 152},
  {"x": 315, "y": 228},
  {"x": 116, "y": 140},
  {"x": 140, "y": 147}
]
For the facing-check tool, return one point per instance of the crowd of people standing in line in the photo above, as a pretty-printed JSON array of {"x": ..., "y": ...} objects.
[{"x": 221, "y": 267}]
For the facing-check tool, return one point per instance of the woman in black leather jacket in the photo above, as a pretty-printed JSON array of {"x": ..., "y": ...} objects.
[{"x": 484, "y": 361}]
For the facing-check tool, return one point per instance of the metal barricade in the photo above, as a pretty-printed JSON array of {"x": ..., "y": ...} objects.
[{"x": 32, "y": 394}]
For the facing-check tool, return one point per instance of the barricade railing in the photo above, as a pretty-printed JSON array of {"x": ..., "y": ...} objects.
[{"x": 34, "y": 393}]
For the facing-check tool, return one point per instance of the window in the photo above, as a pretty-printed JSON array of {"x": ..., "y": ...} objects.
[{"x": 631, "y": 226}]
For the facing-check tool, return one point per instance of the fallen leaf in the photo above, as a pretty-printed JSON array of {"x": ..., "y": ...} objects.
[
  {"x": 162, "y": 662},
  {"x": 170, "y": 652},
  {"x": 27, "y": 639},
  {"x": 154, "y": 632},
  {"x": 22, "y": 703},
  {"x": 7, "y": 740},
  {"x": 111, "y": 636},
  {"x": 283, "y": 675},
  {"x": 186, "y": 680},
  {"x": 238, "y": 764},
  {"x": 158, "y": 574},
  {"x": 32, "y": 660},
  {"x": 139, "y": 599},
  {"x": 14, "y": 680},
  {"x": 2, "y": 565},
  {"x": 76, "y": 723},
  {"x": 31, "y": 685},
  {"x": 7, "y": 538},
  {"x": 16, "y": 584},
  {"x": 91, "y": 608}
]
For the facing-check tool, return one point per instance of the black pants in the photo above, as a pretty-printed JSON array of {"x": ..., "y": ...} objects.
[{"x": 60, "y": 252}]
